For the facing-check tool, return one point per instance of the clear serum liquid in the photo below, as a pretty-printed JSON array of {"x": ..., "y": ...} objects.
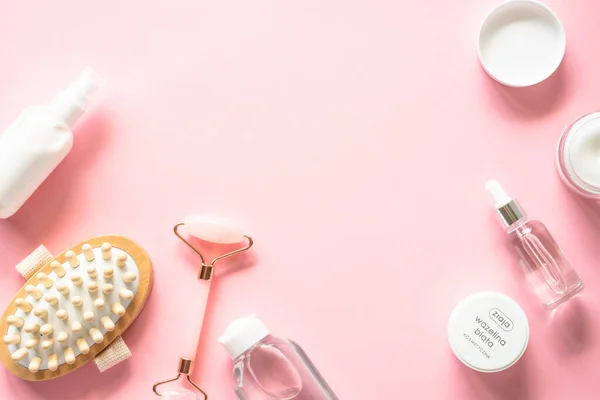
[
  {"x": 548, "y": 272},
  {"x": 271, "y": 368}
]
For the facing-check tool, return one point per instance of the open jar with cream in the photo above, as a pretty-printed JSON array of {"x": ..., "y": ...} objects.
[{"x": 578, "y": 156}]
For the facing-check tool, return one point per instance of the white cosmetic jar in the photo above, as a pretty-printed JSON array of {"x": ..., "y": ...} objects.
[
  {"x": 488, "y": 332},
  {"x": 521, "y": 43},
  {"x": 578, "y": 156}
]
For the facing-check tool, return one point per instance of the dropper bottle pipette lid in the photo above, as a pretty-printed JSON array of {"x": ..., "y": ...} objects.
[
  {"x": 508, "y": 209},
  {"x": 549, "y": 273}
]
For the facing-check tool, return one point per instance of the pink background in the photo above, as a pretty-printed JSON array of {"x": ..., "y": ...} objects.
[{"x": 352, "y": 140}]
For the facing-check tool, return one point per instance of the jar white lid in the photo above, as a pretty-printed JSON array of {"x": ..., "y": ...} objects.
[
  {"x": 488, "y": 331},
  {"x": 521, "y": 43},
  {"x": 581, "y": 152}
]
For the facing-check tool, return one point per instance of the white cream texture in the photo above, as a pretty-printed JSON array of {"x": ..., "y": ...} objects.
[{"x": 582, "y": 150}]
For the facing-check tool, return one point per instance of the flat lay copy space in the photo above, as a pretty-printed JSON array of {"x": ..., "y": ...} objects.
[{"x": 313, "y": 200}]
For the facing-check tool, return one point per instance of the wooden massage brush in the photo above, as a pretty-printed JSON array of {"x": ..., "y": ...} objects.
[{"x": 74, "y": 307}]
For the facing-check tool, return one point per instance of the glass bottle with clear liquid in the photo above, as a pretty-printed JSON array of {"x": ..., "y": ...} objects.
[
  {"x": 271, "y": 368},
  {"x": 548, "y": 272}
]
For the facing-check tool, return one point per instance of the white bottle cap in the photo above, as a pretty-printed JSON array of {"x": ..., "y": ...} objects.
[
  {"x": 71, "y": 103},
  {"x": 508, "y": 209},
  {"x": 242, "y": 334},
  {"x": 501, "y": 198},
  {"x": 179, "y": 394},
  {"x": 488, "y": 332}
]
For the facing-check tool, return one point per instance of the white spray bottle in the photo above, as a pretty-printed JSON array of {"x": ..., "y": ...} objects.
[{"x": 39, "y": 139}]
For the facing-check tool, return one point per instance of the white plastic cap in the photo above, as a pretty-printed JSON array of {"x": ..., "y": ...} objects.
[
  {"x": 501, "y": 198},
  {"x": 488, "y": 331},
  {"x": 71, "y": 103},
  {"x": 179, "y": 394},
  {"x": 242, "y": 334}
]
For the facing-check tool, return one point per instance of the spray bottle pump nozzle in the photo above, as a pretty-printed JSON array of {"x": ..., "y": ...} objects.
[{"x": 71, "y": 103}]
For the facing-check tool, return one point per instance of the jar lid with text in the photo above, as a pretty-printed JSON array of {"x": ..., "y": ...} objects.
[{"x": 488, "y": 332}]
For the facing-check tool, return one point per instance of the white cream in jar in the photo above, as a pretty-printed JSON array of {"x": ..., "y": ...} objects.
[{"x": 578, "y": 156}]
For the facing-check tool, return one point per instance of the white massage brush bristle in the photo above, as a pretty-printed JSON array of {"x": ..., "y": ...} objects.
[
  {"x": 121, "y": 260},
  {"x": 76, "y": 327},
  {"x": 33, "y": 292},
  {"x": 118, "y": 309},
  {"x": 51, "y": 299},
  {"x": 47, "y": 344},
  {"x": 24, "y": 305},
  {"x": 20, "y": 354},
  {"x": 96, "y": 335},
  {"x": 88, "y": 316},
  {"x": 31, "y": 327},
  {"x": 34, "y": 364},
  {"x": 57, "y": 268},
  {"x": 99, "y": 303},
  {"x": 62, "y": 314},
  {"x": 129, "y": 277},
  {"x": 92, "y": 273},
  {"x": 69, "y": 356},
  {"x": 125, "y": 294},
  {"x": 83, "y": 346},
  {"x": 46, "y": 330},
  {"x": 53, "y": 362},
  {"x": 62, "y": 337},
  {"x": 12, "y": 339},
  {"x": 106, "y": 251},
  {"x": 72, "y": 259},
  {"x": 92, "y": 286},
  {"x": 107, "y": 323},
  {"x": 107, "y": 288},
  {"x": 76, "y": 278},
  {"x": 88, "y": 252},
  {"x": 40, "y": 312},
  {"x": 108, "y": 272},
  {"x": 15, "y": 321},
  {"x": 70, "y": 307},
  {"x": 63, "y": 288},
  {"x": 45, "y": 280},
  {"x": 77, "y": 301}
]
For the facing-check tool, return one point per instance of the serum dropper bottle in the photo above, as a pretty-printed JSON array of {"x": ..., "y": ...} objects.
[{"x": 548, "y": 272}]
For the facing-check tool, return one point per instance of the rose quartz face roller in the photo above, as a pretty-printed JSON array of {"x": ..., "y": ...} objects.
[{"x": 208, "y": 229}]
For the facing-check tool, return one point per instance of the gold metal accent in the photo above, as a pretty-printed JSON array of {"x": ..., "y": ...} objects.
[
  {"x": 207, "y": 269},
  {"x": 206, "y": 272},
  {"x": 185, "y": 367}
]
